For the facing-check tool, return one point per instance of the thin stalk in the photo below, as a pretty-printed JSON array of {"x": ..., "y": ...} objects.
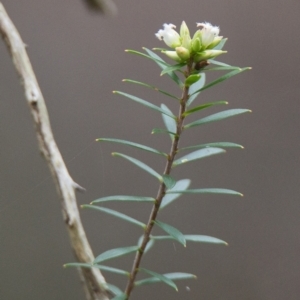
[{"x": 162, "y": 188}]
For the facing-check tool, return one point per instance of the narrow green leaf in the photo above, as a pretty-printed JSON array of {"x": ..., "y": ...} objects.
[
  {"x": 161, "y": 130},
  {"x": 115, "y": 214},
  {"x": 203, "y": 106},
  {"x": 151, "y": 87},
  {"x": 192, "y": 238},
  {"x": 221, "y": 44},
  {"x": 223, "y": 68},
  {"x": 172, "y": 276},
  {"x": 192, "y": 79},
  {"x": 172, "y": 68},
  {"x": 120, "y": 297},
  {"x": 217, "y": 117},
  {"x": 221, "y": 79},
  {"x": 218, "y": 63},
  {"x": 206, "y": 191},
  {"x": 169, "y": 181},
  {"x": 132, "y": 144},
  {"x": 78, "y": 265},
  {"x": 143, "y": 102},
  {"x": 163, "y": 65},
  {"x": 170, "y": 123},
  {"x": 124, "y": 198},
  {"x": 114, "y": 253},
  {"x": 198, "y": 154},
  {"x": 112, "y": 270},
  {"x": 182, "y": 184},
  {"x": 175, "y": 233},
  {"x": 157, "y": 59},
  {"x": 161, "y": 277},
  {"x": 140, "y": 164},
  {"x": 115, "y": 290},
  {"x": 193, "y": 90},
  {"x": 217, "y": 144}
]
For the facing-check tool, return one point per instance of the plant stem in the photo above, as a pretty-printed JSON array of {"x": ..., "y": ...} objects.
[{"x": 162, "y": 188}]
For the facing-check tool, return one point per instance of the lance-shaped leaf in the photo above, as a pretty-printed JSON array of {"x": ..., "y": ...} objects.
[
  {"x": 139, "y": 164},
  {"x": 221, "y": 44},
  {"x": 124, "y": 198},
  {"x": 170, "y": 123},
  {"x": 195, "y": 87},
  {"x": 198, "y": 154},
  {"x": 182, "y": 184},
  {"x": 221, "y": 79},
  {"x": 78, "y": 265},
  {"x": 217, "y": 63},
  {"x": 161, "y": 130},
  {"x": 150, "y": 87},
  {"x": 206, "y": 191},
  {"x": 192, "y": 79},
  {"x": 163, "y": 65},
  {"x": 132, "y": 144},
  {"x": 172, "y": 231},
  {"x": 217, "y": 117},
  {"x": 172, "y": 276},
  {"x": 169, "y": 181},
  {"x": 114, "y": 253},
  {"x": 193, "y": 238},
  {"x": 172, "y": 68},
  {"x": 203, "y": 106},
  {"x": 115, "y": 290},
  {"x": 223, "y": 68},
  {"x": 120, "y": 297},
  {"x": 144, "y": 102},
  {"x": 161, "y": 278},
  {"x": 216, "y": 144},
  {"x": 116, "y": 214},
  {"x": 156, "y": 58}
]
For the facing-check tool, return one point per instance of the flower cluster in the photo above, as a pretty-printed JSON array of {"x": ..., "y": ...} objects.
[{"x": 199, "y": 48}]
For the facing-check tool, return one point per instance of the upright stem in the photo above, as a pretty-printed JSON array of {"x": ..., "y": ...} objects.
[{"x": 162, "y": 188}]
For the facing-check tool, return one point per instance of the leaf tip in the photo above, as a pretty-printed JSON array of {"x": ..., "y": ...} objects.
[
  {"x": 126, "y": 50},
  {"x": 114, "y": 92}
]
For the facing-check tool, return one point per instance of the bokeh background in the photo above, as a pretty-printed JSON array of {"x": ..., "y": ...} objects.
[{"x": 79, "y": 58}]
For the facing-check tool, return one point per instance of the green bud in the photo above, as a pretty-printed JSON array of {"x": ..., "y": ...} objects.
[
  {"x": 196, "y": 44},
  {"x": 184, "y": 30},
  {"x": 183, "y": 53},
  {"x": 173, "y": 55},
  {"x": 192, "y": 79},
  {"x": 215, "y": 42},
  {"x": 185, "y": 36},
  {"x": 207, "y": 54}
]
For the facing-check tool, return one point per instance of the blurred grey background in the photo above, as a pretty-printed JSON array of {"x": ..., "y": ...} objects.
[{"x": 79, "y": 58}]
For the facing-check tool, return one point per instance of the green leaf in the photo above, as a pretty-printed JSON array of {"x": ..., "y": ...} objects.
[
  {"x": 114, "y": 253},
  {"x": 172, "y": 276},
  {"x": 195, "y": 87},
  {"x": 78, "y": 265},
  {"x": 182, "y": 184},
  {"x": 172, "y": 231},
  {"x": 222, "y": 78},
  {"x": 206, "y": 191},
  {"x": 150, "y": 244},
  {"x": 114, "y": 289},
  {"x": 193, "y": 238},
  {"x": 161, "y": 130},
  {"x": 217, "y": 117},
  {"x": 221, "y": 44},
  {"x": 172, "y": 68},
  {"x": 203, "y": 106},
  {"x": 163, "y": 65},
  {"x": 124, "y": 198},
  {"x": 223, "y": 68},
  {"x": 217, "y": 145},
  {"x": 143, "y": 102},
  {"x": 120, "y": 297},
  {"x": 168, "y": 181},
  {"x": 116, "y": 214},
  {"x": 192, "y": 79},
  {"x": 198, "y": 154},
  {"x": 161, "y": 277},
  {"x": 151, "y": 87},
  {"x": 170, "y": 123},
  {"x": 140, "y": 164},
  {"x": 218, "y": 63},
  {"x": 112, "y": 270},
  {"x": 157, "y": 59},
  {"x": 132, "y": 144}
]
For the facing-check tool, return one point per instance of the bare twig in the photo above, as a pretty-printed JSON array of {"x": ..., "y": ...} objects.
[{"x": 94, "y": 283}]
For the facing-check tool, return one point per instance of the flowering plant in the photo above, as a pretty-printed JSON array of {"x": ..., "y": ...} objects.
[{"x": 194, "y": 57}]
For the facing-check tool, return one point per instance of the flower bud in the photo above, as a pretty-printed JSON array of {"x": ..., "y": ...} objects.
[
  {"x": 215, "y": 42},
  {"x": 196, "y": 44},
  {"x": 173, "y": 55},
  {"x": 183, "y": 53},
  {"x": 207, "y": 54}
]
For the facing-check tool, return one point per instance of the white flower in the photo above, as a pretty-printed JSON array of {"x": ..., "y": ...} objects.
[
  {"x": 169, "y": 35},
  {"x": 208, "y": 33}
]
